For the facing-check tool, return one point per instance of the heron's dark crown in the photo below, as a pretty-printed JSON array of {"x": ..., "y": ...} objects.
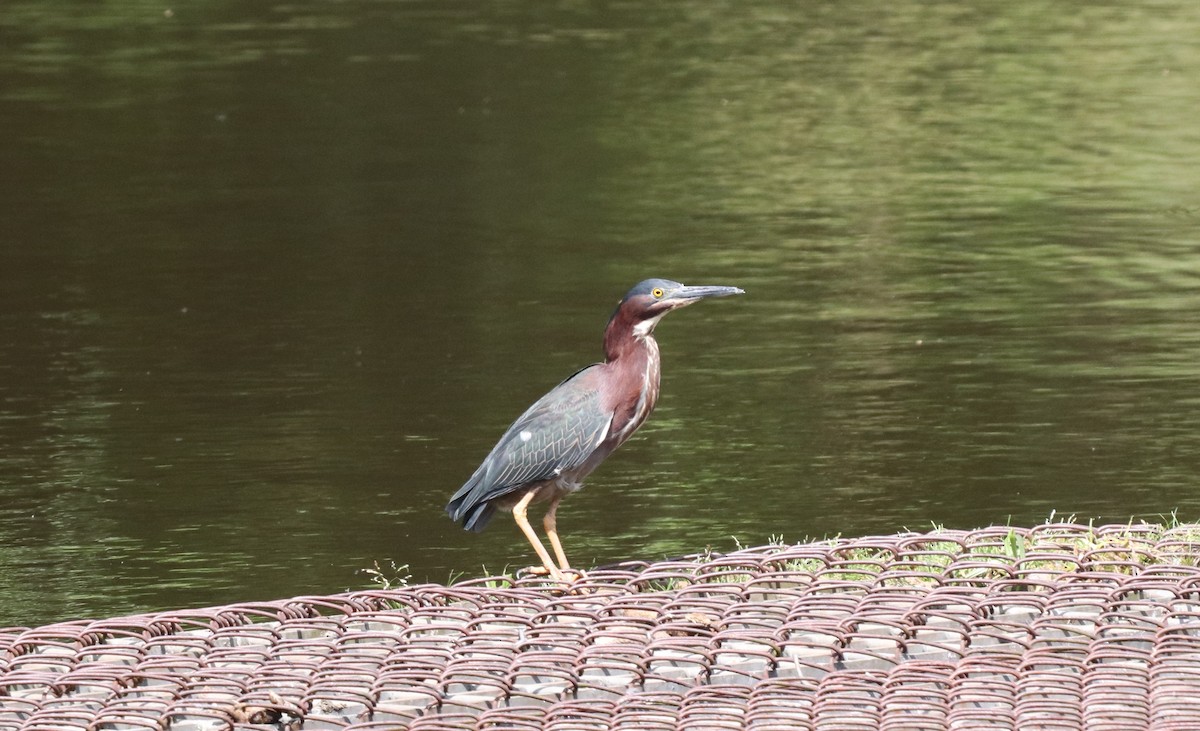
[{"x": 647, "y": 286}]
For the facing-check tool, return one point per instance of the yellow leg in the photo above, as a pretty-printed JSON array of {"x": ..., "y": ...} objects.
[
  {"x": 552, "y": 533},
  {"x": 518, "y": 512}
]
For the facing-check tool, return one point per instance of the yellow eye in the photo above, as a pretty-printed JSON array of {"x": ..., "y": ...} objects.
[{"x": 658, "y": 293}]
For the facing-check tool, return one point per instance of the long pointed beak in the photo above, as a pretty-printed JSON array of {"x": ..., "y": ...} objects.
[{"x": 687, "y": 295}]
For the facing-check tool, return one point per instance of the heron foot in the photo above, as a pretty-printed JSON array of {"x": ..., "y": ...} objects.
[{"x": 556, "y": 574}]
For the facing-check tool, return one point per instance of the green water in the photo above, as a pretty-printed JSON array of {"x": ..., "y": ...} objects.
[{"x": 273, "y": 278}]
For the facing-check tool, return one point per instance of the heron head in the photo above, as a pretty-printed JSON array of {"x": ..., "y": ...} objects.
[{"x": 650, "y": 299}]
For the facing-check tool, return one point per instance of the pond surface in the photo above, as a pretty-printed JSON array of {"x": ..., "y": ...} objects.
[{"x": 274, "y": 278}]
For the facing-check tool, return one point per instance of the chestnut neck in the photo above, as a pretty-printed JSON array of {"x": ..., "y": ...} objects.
[{"x": 622, "y": 338}]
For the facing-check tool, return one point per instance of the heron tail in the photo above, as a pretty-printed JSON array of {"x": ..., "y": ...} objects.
[{"x": 470, "y": 506}]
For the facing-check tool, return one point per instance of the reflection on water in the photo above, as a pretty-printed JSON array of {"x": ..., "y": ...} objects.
[{"x": 274, "y": 278}]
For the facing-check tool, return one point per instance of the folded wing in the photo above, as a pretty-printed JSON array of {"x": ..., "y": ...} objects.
[{"x": 554, "y": 436}]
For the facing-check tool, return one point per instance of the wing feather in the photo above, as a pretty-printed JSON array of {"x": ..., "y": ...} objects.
[{"x": 554, "y": 436}]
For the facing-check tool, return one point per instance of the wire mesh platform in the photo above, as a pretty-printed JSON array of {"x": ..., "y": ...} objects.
[{"x": 1061, "y": 626}]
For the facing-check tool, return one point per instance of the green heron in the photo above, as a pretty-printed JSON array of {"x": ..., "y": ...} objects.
[{"x": 557, "y": 442}]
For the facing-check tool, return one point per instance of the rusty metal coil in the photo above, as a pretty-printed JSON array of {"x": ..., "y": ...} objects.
[{"x": 1059, "y": 626}]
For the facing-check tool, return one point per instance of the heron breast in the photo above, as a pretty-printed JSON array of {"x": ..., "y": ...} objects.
[{"x": 644, "y": 383}]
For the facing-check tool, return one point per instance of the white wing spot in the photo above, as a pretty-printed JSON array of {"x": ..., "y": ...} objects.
[{"x": 526, "y": 436}]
